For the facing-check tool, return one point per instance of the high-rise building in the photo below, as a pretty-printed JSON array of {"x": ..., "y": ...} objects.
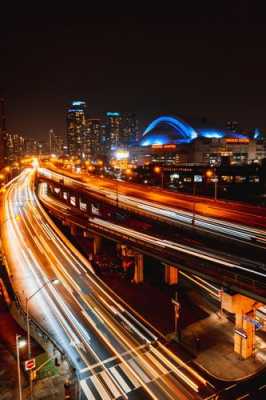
[
  {"x": 130, "y": 132},
  {"x": 56, "y": 143},
  {"x": 122, "y": 129},
  {"x": 3, "y": 133},
  {"x": 91, "y": 147},
  {"x": 114, "y": 128},
  {"x": 31, "y": 147},
  {"x": 76, "y": 128}
]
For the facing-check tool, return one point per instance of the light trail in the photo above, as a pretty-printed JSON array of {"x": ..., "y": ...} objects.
[
  {"x": 83, "y": 314},
  {"x": 219, "y": 226}
]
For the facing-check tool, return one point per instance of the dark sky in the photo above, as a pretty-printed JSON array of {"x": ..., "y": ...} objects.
[{"x": 194, "y": 62}]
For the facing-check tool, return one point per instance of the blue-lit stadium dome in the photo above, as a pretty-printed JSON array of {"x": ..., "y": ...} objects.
[
  {"x": 165, "y": 130},
  {"x": 172, "y": 130}
]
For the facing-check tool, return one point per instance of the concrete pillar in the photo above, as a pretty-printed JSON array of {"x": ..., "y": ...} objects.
[
  {"x": 65, "y": 195},
  {"x": 244, "y": 334},
  {"x": 127, "y": 253},
  {"x": 138, "y": 273},
  {"x": 244, "y": 337},
  {"x": 73, "y": 230},
  {"x": 83, "y": 206},
  {"x": 96, "y": 244},
  {"x": 171, "y": 275}
]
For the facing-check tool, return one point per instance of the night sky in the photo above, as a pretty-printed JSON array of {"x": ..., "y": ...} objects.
[{"x": 199, "y": 62}]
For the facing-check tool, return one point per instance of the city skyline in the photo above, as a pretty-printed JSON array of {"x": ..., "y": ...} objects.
[
  {"x": 188, "y": 65},
  {"x": 133, "y": 203}
]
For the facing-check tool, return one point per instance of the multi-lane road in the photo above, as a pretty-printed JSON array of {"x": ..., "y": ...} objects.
[
  {"x": 238, "y": 221},
  {"x": 240, "y": 261},
  {"x": 115, "y": 354}
]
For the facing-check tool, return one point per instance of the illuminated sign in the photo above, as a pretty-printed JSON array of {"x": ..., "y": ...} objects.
[
  {"x": 198, "y": 178},
  {"x": 237, "y": 140},
  {"x": 241, "y": 332},
  {"x": 78, "y": 103},
  {"x": 113, "y": 114},
  {"x": 164, "y": 146},
  {"x": 121, "y": 154}
]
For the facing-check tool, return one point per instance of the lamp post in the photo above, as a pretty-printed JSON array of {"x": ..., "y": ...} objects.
[
  {"x": 159, "y": 170},
  {"x": 194, "y": 202},
  {"x": 54, "y": 282},
  {"x": 19, "y": 344},
  {"x": 117, "y": 194},
  {"x": 211, "y": 174}
]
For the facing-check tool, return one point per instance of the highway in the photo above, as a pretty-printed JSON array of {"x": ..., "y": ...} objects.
[
  {"x": 214, "y": 264},
  {"x": 116, "y": 355},
  {"x": 210, "y": 216}
]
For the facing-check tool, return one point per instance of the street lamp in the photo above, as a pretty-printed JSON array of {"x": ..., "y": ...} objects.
[
  {"x": 194, "y": 201},
  {"x": 53, "y": 282},
  {"x": 2, "y": 178},
  {"x": 20, "y": 343},
  {"x": 211, "y": 174},
  {"x": 159, "y": 170}
]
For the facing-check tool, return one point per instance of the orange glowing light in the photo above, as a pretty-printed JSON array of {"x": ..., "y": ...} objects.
[
  {"x": 157, "y": 170},
  {"x": 209, "y": 173}
]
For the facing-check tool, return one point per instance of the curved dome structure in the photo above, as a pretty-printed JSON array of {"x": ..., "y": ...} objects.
[
  {"x": 171, "y": 130},
  {"x": 167, "y": 129}
]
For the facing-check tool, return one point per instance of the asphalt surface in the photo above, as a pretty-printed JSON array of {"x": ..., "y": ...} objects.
[{"x": 114, "y": 354}]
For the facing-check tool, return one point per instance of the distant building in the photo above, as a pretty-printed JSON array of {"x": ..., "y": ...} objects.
[
  {"x": 31, "y": 147},
  {"x": 130, "y": 129},
  {"x": 56, "y": 143},
  {"x": 14, "y": 147},
  {"x": 114, "y": 129},
  {"x": 91, "y": 146},
  {"x": 3, "y": 133},
  {"x": 122, "y": 129},
  {"x": 76, "y": 128},
  {"x": 171, "y": 141}
]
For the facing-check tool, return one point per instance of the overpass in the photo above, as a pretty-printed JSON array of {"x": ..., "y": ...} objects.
[
  {"x": 244, "y": 295},
  {"x": 236, "y": 272},
  {"x": 113, "y": 351}
]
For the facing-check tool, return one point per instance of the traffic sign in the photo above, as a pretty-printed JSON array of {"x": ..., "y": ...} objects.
[
  {"x": 30, "y": 364},
  {"x": 254, "y": 322},
  {"x": 241, "y": 333}
]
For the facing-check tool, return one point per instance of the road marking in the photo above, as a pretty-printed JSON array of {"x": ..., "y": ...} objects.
[
  {"x": 107, "y": 360},
  {"x": 230, "y": 387},
  {"x": 100, "y": 388},
  {"x": 86, "y": 390},
  {"x": 120, "y": 380},
  {"x": 129, "y": 374},
  {"x": 243, "y": 397},
  {"x": 157, "y": 363},
  {"x": 110, "y": 384},
  {"x": 140, "y": 372},
  {"x": 262, "y": 387}
]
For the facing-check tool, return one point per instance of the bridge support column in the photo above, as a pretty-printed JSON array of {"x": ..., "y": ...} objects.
[
  {"x": 244, "y": 345},
  {"x": 138, "y": 273},
  {"x": 73, "y": 230},
  {"x": 82, "y": 204},
  {"x": 126, "y": 252},
  {"x": 171, "y": 275},
  {"x": 96, "y": 244},
  {"x": 65, "y": 196},
  {"x": 244, "y": 309},
  {"x": 72, "y": 200}
]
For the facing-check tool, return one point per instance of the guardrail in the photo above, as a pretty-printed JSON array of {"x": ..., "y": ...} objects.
[{"x": 41, "y": 335}]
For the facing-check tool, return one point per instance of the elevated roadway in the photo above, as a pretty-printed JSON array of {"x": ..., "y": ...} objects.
[
  {"x": 115, "y": 354},
  {"x": 238, "y": 221},
  {"x": 238, "y": 274}
]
